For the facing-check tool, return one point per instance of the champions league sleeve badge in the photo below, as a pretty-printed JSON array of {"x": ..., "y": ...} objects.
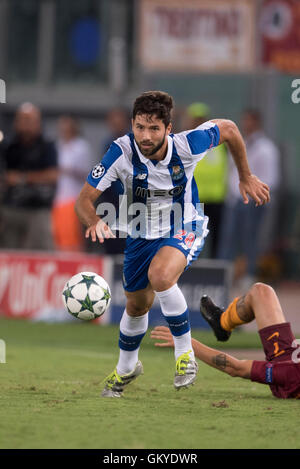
[{"x": 98, "y": 171}]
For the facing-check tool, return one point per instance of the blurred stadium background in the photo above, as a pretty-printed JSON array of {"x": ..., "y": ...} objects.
[{"x": 86, "y": 58}]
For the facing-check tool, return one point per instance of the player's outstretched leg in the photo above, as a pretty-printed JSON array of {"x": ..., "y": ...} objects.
[
  {"x": 133, "y": 327},
  {"x": 212, "y": 314},
  {"x": 175, "y": 311},
  {"x": 132, "y": 331},
  {"x": 223, "y": 321},
  {"x": 260, "y": 302},
  {"x": 163, "y": 274}
]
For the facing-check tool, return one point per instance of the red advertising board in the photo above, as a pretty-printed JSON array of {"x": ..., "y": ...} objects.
[
  {"x": 280, "y": 29},
  {"x": 31, "y": 283}
]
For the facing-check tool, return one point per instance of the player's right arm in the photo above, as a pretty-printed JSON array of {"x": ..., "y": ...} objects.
[
  {"x": 86, "y": 212},
  {"x": 98, "y": 180},
  {"x": 219, "y": 360}
]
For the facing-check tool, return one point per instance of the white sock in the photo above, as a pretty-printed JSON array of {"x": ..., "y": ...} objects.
[
  {"x": 132, "y": 330},
  {"x": 175, "y": 311}
]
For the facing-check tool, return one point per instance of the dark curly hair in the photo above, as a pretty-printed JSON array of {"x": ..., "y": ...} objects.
[{"x": 156, "y": 103}]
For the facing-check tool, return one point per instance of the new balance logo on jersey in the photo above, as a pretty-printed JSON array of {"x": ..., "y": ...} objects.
[{"x": 141, "y": 176}]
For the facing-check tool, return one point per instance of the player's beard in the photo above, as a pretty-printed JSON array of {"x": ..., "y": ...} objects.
[{"x": 154, "y": 150}]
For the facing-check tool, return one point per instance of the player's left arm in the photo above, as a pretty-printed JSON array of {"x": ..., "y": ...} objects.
[
  {"x": 249, "y": 183},
  {"x": 219, "y": 360}
]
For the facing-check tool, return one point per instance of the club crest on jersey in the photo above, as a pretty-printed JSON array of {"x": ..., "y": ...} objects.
[
  {"x": 98, "y": 171},
  {"x": 177, "y": 172}
]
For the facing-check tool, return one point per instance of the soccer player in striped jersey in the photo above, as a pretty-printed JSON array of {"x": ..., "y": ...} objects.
[{"x": 156, "y": 169}]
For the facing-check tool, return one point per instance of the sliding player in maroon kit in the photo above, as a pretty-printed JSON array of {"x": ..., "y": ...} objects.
[{"x": 280, "y": 370}]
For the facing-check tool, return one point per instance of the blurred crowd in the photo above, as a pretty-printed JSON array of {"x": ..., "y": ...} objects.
[{"x": 41, "y": 179}]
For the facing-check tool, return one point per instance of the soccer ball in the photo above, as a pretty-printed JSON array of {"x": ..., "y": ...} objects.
[{"x": 86, "y": 296}]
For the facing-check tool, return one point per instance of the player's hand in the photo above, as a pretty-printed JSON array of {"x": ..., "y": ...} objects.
[
  {"x": 256, "y": 189},
  {"x": 99, "y": 230},
  {"x": 162, "y": 333}
]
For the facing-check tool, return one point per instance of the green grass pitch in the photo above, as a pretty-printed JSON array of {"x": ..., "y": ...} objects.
[{"x": 51, "y": 383}]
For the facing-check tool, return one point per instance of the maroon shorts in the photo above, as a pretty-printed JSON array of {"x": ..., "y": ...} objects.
[{"x": 281, "y": 370}]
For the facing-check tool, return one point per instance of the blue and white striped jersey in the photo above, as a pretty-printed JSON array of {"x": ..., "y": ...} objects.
[{"x": 166, "y": 189}]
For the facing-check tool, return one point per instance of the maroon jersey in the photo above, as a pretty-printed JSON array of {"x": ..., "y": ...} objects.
[{"x": 281, "y": 370}]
